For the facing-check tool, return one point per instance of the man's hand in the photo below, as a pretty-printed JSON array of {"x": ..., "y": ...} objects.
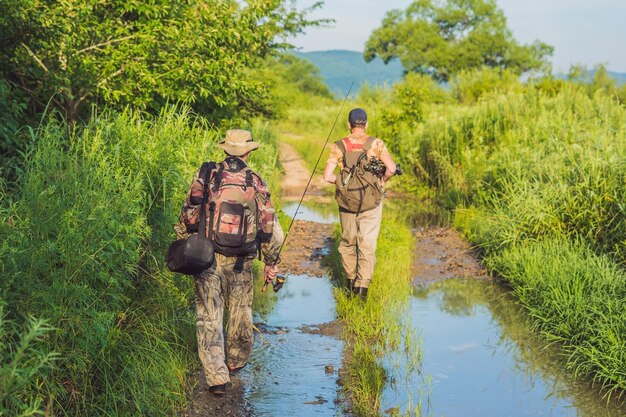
[{"x": 269, "y": 273}]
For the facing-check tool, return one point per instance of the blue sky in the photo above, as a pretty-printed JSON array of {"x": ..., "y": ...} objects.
[{"x": 587, "y": 32}]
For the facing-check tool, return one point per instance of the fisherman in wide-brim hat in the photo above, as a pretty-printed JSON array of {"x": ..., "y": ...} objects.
[
  {"x": 238, "y": 142},
  {"x": 228, "y": 283}
]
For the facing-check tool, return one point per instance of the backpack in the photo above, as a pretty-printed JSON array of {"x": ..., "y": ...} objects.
[
  {"x": 357, "y": 190},
  {"x": 239, "y": 211}
]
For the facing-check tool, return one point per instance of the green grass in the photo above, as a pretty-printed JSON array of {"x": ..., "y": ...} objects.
[
  {"x": 376, "y": 326},
  {"x": 538, "y": 182},
  {"x": 577, "y": 300},
  {"x": 83, "y": 243}
]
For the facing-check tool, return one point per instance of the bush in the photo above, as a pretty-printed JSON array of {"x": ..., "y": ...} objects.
[{"x": 469, "y": 86}]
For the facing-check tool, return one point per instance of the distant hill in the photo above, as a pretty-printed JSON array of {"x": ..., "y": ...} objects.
[
  {"x": 620, "y": 77},
  {"x": 339, "y": 68}
]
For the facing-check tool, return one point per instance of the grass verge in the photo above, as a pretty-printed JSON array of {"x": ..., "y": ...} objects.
[
  {"x": 538, "y": 183},
  {"x": 378, "y": 325},
  {"x": 82, "y": 247}
]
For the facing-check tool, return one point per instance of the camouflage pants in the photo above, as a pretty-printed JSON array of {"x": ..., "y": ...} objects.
[
  {"x": 359, "y": 233},
  {"x": 214, "y": 287}
]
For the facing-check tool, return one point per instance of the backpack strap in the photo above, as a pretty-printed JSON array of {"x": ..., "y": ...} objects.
[
  {"x": 249, "y": 178},
  {"x": 217, "y": 179},
  {"x": 205, "y": 174},
  {"x": 368, "y": 143},
  {"x": 342, "y": 147}
]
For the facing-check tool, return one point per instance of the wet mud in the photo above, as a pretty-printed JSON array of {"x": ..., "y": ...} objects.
[
  {"x": 205, "y": 404},
  {"x": 442, "y": 253}
]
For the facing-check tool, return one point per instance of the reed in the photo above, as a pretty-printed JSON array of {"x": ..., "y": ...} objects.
[{"x": 378, "y": 325}]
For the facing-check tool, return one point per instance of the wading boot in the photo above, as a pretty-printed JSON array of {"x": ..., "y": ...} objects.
[
  {"x": 362, "y": 292},
  {"x": 218, "y": 390},
  {"x": 235, "y": 371},
  {"x": 355, "y": 291}
]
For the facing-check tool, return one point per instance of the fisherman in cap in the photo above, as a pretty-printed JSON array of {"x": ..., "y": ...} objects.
[
  {"x": 229, "y": 281},
  {"x": 360, "y": 206}
]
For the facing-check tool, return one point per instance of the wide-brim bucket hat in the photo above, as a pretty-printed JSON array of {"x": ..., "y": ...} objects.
[{"x": 238, "y": 142}]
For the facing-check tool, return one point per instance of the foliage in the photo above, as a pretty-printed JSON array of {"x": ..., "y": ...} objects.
[
  {"x": 598, "y": 80},
  {"x": 296, "y": 83},
  {"x": 440, "y": 39},
  {"x": 410, "y": 100},
  {"x": 120, "y": 52},
  {"x": 82, "y": 246},
  {"x": 23, "y": 365},
  {"x": 469, "y": 86},
  {"x": 12, "y": 117}
]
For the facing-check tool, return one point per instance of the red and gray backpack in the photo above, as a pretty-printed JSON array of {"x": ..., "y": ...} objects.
[{"x": 240, "y": 213}]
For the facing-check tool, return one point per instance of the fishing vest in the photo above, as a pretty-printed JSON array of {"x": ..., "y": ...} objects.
[{"x": 357, "y": 190}]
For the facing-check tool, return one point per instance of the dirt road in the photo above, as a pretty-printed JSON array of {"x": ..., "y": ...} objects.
[{"x": 296, "y": 177}]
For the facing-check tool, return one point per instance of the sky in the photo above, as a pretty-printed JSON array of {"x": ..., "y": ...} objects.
[{"x": 586, "y": 32}]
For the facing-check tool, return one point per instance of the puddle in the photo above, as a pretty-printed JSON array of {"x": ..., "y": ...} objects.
[
  {"x": 310, "y": 211},
  {"x": 419, "y": 214},
  {"x": 480, "y": 359},
  {"x": 415, "y": 213},
  {"x": 287, "y": 374}
]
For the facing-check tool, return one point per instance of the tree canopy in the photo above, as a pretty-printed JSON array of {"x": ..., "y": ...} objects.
[
  {"x": 134, "y": 52},
  {"x": 440, "y": 38}
]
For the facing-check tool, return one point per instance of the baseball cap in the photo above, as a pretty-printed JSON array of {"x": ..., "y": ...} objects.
[{"x": 357, "y": 117}]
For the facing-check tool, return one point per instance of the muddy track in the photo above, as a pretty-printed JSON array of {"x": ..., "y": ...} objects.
[
  {"x": 297, "y": 176},
  {"x": 442, "y": 253}
]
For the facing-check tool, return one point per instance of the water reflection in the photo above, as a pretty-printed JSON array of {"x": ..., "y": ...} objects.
[
  {"x": 313, "y": 212},
  {"x": 415, "y": 213},
  {"x": 419, "y": 213},
  {"x": 483, "y": 360}
]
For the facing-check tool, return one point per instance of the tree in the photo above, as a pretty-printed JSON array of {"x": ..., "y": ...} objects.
[
  {"x": 440, "y": 39},
  {"x": 140, "y": 53}
]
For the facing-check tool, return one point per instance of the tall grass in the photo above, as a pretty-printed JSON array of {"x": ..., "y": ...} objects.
[
  {"x": 539, "y": 183},
  {"x": 83, "y": 243},
  {"x": 575, "y": 298}
]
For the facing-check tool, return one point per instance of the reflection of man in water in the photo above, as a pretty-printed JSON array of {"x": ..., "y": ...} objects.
[{"x": 360, "y": 229}]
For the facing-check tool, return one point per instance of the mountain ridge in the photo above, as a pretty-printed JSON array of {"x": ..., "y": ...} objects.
[{"x": 340, "y": 67}]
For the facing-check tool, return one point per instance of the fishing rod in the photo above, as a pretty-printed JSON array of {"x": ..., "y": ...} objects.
[{"x": 280, "y": 280}]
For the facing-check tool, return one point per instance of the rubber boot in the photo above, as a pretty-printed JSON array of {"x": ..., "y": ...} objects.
[
  {"x": 362, "y": 292},
  {"x": 355, "y": 291},
  {"x": 350, "y": 285}
]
